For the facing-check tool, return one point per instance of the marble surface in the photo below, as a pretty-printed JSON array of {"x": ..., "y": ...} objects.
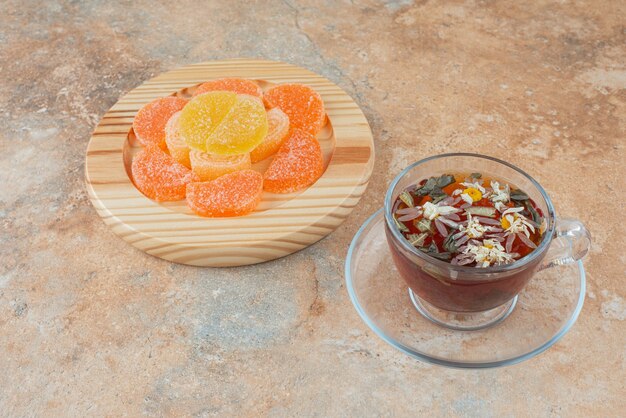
[{"x": 89, "y": 326}]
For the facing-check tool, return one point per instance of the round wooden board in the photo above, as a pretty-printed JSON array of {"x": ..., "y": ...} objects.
[{"x": 281, "y": 225}]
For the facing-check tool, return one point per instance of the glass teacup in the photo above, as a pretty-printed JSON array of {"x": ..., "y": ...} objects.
[{"x": 462, "y": 297}]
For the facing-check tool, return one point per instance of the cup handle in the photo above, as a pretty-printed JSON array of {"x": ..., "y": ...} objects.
[{"x": 570, "y": 244}]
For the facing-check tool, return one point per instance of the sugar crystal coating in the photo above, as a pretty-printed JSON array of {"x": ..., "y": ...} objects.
[
  {"x": 159, "y": 176},
  {"x": 233, "y": 194},
  {"x": 241, "y": 130},
  {"x": 297, "y": 164},
  {"x": 219, "y": 133},
  {"x": 210, "y": 166},
  {"x": 176, "y": 145},
  {"x": 149, "y": 123},
  {"x": 202, "y": 116},
  {"x": 277, "y": 129},
  {"x": 236, "y": 85},
  {"x": 301, "y": 103}
]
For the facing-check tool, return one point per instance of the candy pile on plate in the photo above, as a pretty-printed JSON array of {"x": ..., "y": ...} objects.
[{"x": 202, "y": 149}]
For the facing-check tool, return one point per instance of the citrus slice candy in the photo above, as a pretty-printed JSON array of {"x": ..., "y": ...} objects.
[
  {"x": 176, "y": 145},
  {"x": 159, "y": 176},
  {"x": 149, "y": 123},
  {"x": 241, "y": 130},
  {"x": 236, "y": 85},
  {"x": 277, "y": 130},
  {"x": 301, "y": 103},
  {"x": 202, "y": 116},
  {"x": 233, "y": 194},
  {"x": 297, "y": 164},
  {"x": 210, "y": 166}
]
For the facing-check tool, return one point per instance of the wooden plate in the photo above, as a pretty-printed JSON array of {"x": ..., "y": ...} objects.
[{"x": 281, "y": 225}]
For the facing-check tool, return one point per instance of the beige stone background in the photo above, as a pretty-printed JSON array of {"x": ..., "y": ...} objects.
[{"x": 89, "y": 326}]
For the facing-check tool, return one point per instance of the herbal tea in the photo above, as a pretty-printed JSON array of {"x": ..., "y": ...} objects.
[{"x": 469, "y": 220}]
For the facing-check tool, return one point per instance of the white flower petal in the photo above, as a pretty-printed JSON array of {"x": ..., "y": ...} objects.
[
  {"x": 527, "y": 241},
  {"x": 509, "y": 243},
  {"x": 441, "y": 228},
  {"x": 467, "y": 198}
]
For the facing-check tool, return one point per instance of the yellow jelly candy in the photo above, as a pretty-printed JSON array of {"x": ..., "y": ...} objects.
[
  {"x": 243, "y": 128},
  {"x": 202, "y": 115}
]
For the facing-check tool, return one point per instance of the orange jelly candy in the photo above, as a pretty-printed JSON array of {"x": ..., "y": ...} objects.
[
  {"x": 236, "y": 85},
  {"x": 159, "y": 176},
  {"x": 211, "y": 166},
  {"x": 176, "y": 145},
  {"x": 149, "y": 123},
  {"x": 233, "y": 194},
  {"x": 297, "y": 164},
  {"x": 301, "y": 103},
  {"x": 277, "y": 129}
]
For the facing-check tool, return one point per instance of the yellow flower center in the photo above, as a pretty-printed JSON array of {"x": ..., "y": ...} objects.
[
  {"x": 488, "y": 246},
  {"x": 505, "y": 222},
  {"x": 474, "y": 193}
]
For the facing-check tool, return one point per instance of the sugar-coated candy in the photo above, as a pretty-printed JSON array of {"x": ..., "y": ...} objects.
[
  {"x": 233, "y": 194},
  {"x": 210, "y": 166},
  {"x": 241, "y": 130},
  {"x": 223, "y": 123},
  {"x": 236, "y": 85},
  {"x": 202, "y": 116},
  {"x": 301, "y": 103},
  {"x": 176, "y": 145},
  {"x": 159, "y": 176},
  {"x": 277, "y": 129},
  {"x": 297, "y": 164},
  {"x": 149, "y": 123}
]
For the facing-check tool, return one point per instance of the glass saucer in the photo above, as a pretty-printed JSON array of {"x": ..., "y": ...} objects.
[{"x": 545, "y": 310}]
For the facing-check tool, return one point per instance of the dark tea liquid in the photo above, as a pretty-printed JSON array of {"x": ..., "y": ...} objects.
[{"x": 468, "y": 220}]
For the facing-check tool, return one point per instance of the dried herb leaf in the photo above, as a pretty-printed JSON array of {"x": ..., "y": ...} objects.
[
  {"x": 433, "y": 251},
  {"x": 425, "y": 225},
  {"x": 427, "y": 188},
  {"x": 417, "y": 240},
  {"x": 476, "y": 175},
  {"x": 433, "y": 187},
  {"x": 407, "y": 199},
  {"x": 446, "y": 256},
  {"x": 482, "y": 211},
  {"x": 519, "y": 195},
  {"x": 445, "y": 180},
  {"x": 437, "y": 195},
  {"x": 430, "y": 183},
  {"x": 450, "y": 244},
  {"x": 533, "y": 213},
  {"x": 402, "y": 227}
]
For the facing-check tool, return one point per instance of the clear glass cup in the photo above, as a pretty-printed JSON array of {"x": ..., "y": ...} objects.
[{"x": 468, "y": 298}]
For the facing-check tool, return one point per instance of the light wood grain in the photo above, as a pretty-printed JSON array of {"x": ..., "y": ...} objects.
[{"x": 281, "y": 225}]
